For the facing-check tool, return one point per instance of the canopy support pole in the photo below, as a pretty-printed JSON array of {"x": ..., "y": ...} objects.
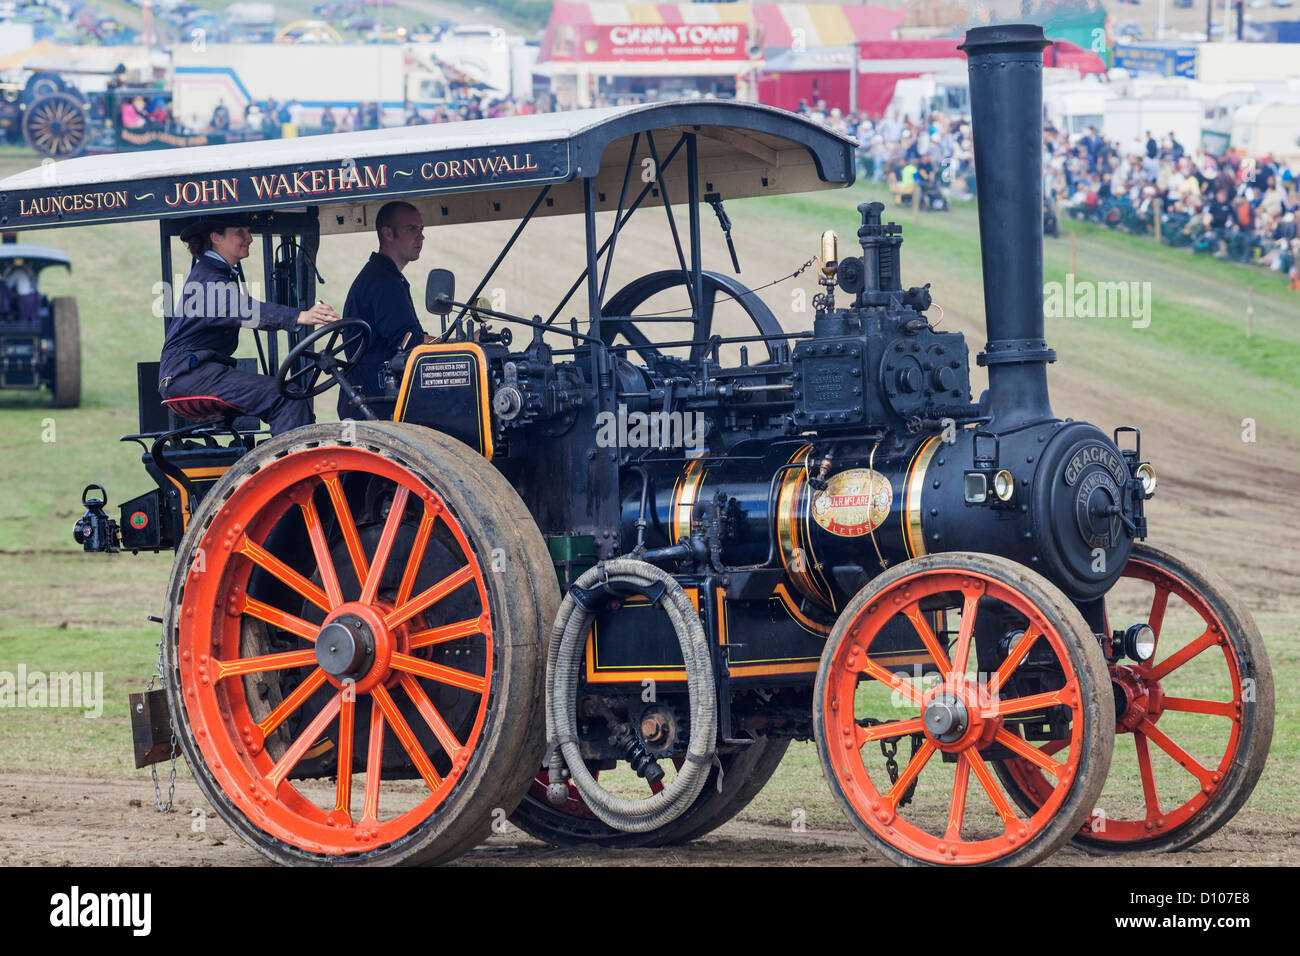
[
  {"x": 618, "y": 216},
  {"x": 487, "y": 277},
  {"x": 636, "y": 203},
  {"x": 693, "y": 208}
]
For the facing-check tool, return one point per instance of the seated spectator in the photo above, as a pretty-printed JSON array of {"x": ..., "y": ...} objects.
[{"x": 132, "y": 117}]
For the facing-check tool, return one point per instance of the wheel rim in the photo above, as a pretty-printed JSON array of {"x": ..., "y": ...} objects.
[
  {"x": 716, "y": 288},
  {"x": 943, "y": 827},
  {"x": 394, "y": 677},
  {"x": 1146, "y": 694}
]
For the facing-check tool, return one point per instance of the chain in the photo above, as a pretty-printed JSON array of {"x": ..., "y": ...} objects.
[
  {"x": 153, "y": 769},
  {"x": 889, "y": 749}
]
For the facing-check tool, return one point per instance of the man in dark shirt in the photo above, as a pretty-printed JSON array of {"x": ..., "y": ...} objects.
[
  {"x": 381, "y": 295},
  {"x": 1220, "y": 211}
]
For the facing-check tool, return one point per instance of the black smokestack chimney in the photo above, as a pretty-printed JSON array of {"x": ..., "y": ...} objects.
[{"x": 1006, "y": 95}]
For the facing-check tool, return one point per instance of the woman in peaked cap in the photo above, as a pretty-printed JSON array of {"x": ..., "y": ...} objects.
[{"x": 198, "y": 352}]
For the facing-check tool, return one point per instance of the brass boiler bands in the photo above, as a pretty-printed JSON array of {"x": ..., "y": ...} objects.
[{"x": 863, "y": 509}]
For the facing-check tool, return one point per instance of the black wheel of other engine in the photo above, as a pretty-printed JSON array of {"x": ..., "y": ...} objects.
[
  {"x": 67, "y": 353},
  {"x": 56, "y": 126},
  {"x": 636, "y": 293}
]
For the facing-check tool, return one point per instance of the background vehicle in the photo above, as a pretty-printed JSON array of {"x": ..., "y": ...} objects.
[
  {"x": 846, "y": 512},
  {"x": 40, "y": 337}
]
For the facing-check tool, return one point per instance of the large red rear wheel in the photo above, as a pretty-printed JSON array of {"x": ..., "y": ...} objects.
[
  {"x": 1194, "y": 722},
  {"x": 354, "y": 645},
  {"x": 985, "y": 692}
]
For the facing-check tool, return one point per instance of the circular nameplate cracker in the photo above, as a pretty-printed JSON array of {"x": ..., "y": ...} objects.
[{"x": 853, "y": 503}]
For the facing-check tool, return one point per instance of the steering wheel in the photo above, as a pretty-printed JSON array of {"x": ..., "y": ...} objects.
[{"x": 332, "y": 359}]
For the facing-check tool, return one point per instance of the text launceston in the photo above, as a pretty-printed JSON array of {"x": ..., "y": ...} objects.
[{"x": 314, "y": 182}]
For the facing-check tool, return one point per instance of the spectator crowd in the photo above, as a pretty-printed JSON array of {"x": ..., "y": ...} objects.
[{"x": 1233, "y": 206}]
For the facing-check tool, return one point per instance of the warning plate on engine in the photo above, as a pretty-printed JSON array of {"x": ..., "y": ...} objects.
[
  {"x": 853, "y": 503},
  {"x": 449, "y": 374}
]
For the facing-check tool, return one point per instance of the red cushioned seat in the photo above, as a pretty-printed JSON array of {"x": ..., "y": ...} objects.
[{"x": 202, "y": 408}]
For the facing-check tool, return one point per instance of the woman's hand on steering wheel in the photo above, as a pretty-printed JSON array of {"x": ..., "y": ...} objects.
[{"x": 318, "y": 314}]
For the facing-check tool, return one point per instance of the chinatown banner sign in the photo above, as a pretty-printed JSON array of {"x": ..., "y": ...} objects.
[{"x": 631, "y": 42}]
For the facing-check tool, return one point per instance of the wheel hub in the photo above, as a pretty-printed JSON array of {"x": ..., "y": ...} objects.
[
  {"x": 355, "y": 646},
  {"x": 946, "y": 718},
  {"x": 1136, "y": 698},
  {"x": 957, "y": 715},
  {"x": 345, "y": 647}
]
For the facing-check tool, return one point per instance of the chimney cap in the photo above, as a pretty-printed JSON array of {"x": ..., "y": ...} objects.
[{"x": 1005, "y": 38}]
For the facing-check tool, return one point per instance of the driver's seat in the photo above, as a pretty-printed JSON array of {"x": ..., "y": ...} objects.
[{"x": 202, "y": 409}]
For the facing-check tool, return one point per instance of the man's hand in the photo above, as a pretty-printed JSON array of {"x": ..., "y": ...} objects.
[{"x": 318, "y": 314}]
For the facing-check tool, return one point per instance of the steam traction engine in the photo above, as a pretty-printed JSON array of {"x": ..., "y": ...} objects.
[{"x": 836, "y": 544}]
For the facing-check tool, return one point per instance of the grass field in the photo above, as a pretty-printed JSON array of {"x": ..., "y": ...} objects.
[{"x": 1191, "y": 377}]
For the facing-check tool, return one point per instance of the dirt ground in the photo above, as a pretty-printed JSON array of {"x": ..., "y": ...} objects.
[{"x": 112, "y": 820}]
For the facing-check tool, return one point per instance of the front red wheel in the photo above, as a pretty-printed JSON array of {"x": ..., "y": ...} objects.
[
  {"x": 351, "y": 621},
  {"x": 1016, "y": 667},
  {"x": 1194, "y": 721}
]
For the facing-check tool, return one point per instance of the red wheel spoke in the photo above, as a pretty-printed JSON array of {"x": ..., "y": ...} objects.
[
  {"x": 446, "y": 632},
  {"x": 281, "y": 571},
  {"x": 347, "y": 727},
  {"x": 940, "y": 656},
  {"x": 1183, "y": 655},
  {"x": 1184, "y": 759},
  {"x": 450, "y": 744},
  {"x": 1148, "y": 777},
  {"x": 432, "y": 595},
  {"x": 910, "y": 773},
  {"x": 894, "y": 728},
  {"x": 291, "y": 703},
  {"x": 1018, "y": 705},
  {"x": 305, "y": 739},
  {"x": 443, "y": 675},
  {"x": 1017, "y": 655},
  {"x": 1158, "y": 604},
  {"x": 281, "y": 619},
  {"x": 1192, "y": 705},
  {"x": 1031, "y": 753},
  {"x": 406, "y": 736},
  {"x": 348, "y": 526},
  {"x": 1054, "y": 746},
  {"x": 266, "y": 662},
  {"x": 416, "y": 556},
  {"x": 385, "y": 546},
  {"x": 995, "y": 795},
  {"x": 961, "y": 653},
  {"x": 374, "y": 764},
  {"x": 657, "y": 786},
  {"x": 892, "y": 680},
  {"x": 957, "y": 808},
  {"x": 324, "y": 563}
]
